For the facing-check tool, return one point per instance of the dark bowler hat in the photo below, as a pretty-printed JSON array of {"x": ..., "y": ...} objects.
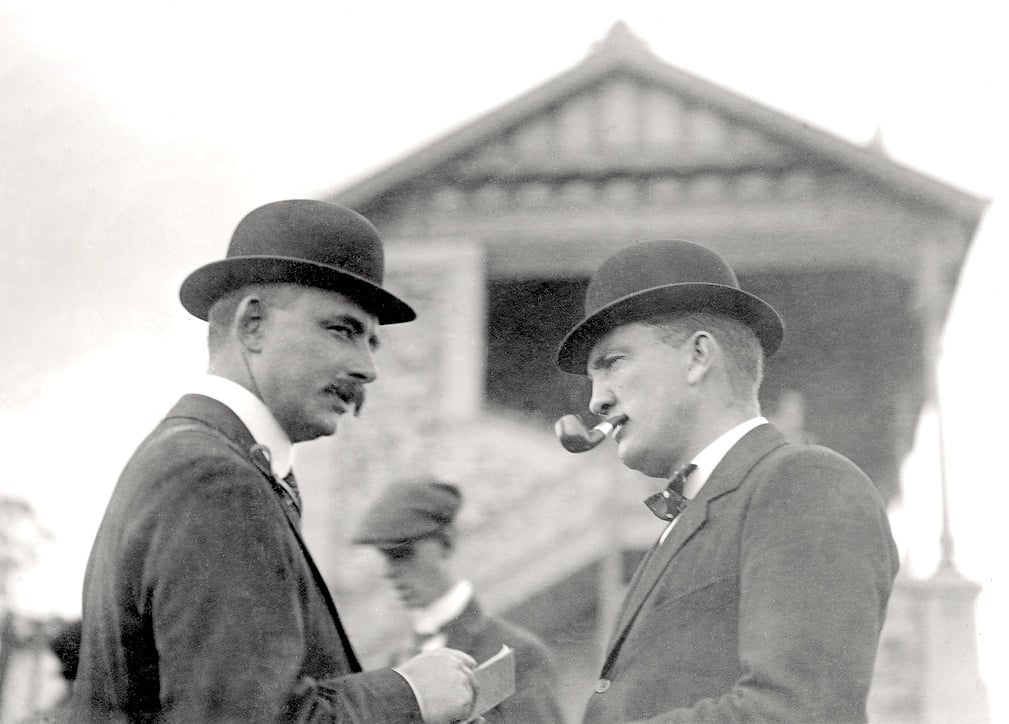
[
  {"x": 658, "y": 277},
  {"x": 408, "y": 510},
  {"x": 302, "y": 241}
]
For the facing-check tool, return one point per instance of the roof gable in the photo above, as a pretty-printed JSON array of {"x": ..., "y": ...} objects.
[
  {"x": 622, "y": 109},
  {"x": 619, "y": 123}
]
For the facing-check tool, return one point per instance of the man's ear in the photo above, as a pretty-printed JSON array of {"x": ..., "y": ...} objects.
[
  {"x": 250, "y": 322},
  {"x": 702, "y": 349}
]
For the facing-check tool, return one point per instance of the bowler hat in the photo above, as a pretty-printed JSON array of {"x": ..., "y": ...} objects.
[
  {"x": 408, "y": 510},
  {"x": 300, "y": 241},
  {"x": 663, "y": 276}
]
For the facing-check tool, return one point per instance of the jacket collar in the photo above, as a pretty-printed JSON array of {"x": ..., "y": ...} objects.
[
  {"x": 215, "y": 414},
  {"x": 255, "y": 415},
  {"x": 731, "y": 471}
]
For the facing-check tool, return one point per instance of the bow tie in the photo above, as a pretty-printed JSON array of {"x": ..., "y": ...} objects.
[{"x": 670, "y": 502}]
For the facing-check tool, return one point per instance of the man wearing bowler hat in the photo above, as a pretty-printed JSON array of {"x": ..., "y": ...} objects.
[
  {"x": 411, "y": 523},
  {"x": 763, "y": 596},
  {"x": 201, "y": 601}
]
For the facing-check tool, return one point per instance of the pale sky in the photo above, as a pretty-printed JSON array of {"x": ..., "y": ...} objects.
[{"x": 134, "y": 135}]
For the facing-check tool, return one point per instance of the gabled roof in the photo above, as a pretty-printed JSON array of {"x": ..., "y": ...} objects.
[{"x": 621, "y": 52}]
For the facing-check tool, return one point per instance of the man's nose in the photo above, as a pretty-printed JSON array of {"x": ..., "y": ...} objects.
[
  {"x": 363, "y": 368},
  {"x": 602, "y": 399}
]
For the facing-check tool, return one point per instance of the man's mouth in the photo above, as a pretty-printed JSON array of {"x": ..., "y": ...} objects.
[
  {"x": 350, "y": 394},
  {"x": 619, "y": 433}
]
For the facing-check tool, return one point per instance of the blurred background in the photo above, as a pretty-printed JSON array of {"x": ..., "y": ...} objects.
[{"x": 849, "y": 160}]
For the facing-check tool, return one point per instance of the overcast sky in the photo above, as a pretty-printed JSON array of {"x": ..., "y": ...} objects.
[{"x": 134, "y": 135}]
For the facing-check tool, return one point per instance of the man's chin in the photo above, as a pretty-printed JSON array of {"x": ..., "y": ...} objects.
[
  {"x": 323, "y": 427},
  {"x": 637, "y": 460},
  {"x": 329, "y": 426}
]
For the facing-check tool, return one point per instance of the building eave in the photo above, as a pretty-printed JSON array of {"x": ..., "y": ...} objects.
[{"x": 911, "y": 186}]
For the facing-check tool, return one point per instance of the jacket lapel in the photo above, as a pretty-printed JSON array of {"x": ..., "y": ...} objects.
[
  {"x": 656, "y": 561},
  {"x": 724, "y": 479},
  {"x": 208, "y": 411}
]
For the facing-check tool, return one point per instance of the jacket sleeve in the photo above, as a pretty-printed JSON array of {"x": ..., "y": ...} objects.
[
  {"x": 221, "y": 588},
  {"x": 358, "y": 698},
  {"x": 817, "y": 565}
]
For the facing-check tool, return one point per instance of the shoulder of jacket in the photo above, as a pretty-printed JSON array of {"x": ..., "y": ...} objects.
[
  {"x": 800, "y": 471},
  {"x": 188, "y": 451},
  {"x": 799, "y": 454},
  {"x": 192, "y": 439}
]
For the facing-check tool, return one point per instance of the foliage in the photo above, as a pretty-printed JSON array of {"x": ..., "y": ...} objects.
[{"x": 19, "y": 529}]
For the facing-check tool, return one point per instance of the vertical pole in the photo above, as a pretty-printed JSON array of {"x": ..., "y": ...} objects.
[
  {"x": 951, "y": 688},
  {"x": 933, "y": 292},
  {"x": 946, "y": 535}
]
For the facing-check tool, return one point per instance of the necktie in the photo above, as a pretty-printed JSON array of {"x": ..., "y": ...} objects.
[
  {"x": 292, "y": 488},
  {"x": 287, "y": 489},
  {"x": 670, "y": 502}
]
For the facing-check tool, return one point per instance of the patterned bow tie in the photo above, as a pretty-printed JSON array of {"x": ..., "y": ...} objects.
[{"x": 670, "y": 502}]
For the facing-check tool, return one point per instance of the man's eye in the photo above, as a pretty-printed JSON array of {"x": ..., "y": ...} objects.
[
  {"x": 341, "y": 330},
  {"x": 610, "y": 360}
]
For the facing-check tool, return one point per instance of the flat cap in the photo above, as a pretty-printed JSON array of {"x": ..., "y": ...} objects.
[{"x": 408, "y": 510}]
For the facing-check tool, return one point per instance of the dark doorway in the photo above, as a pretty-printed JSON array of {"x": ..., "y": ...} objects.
[{"x": 526, "y": 321}]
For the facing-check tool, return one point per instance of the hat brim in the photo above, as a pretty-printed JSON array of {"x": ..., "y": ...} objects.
[
  {"x": 573, "y": 354},
  {"x": 212, "y": 281}
]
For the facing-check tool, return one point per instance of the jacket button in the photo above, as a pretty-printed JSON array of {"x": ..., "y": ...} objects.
[{"x": 602, "y": 686}]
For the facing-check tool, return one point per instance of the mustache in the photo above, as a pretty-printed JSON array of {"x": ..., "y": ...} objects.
[{"x": 351, "y": 392}]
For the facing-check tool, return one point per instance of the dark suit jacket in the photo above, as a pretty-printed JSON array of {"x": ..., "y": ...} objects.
[
  {"x": 481, "y": 637},
  {"x": 765, "y": 602},
  {"x": 201, "y": 603}
]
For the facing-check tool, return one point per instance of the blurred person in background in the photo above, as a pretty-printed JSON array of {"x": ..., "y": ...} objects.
[
  {"x": 65, "y": 645},
  {"x": 411, "y": 523},
  {"x": 763, "y": 597},
  {"x": 201, "y": 600}
]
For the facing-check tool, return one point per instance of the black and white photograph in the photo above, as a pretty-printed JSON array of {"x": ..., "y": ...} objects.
[{"x": 503, "y": 363}]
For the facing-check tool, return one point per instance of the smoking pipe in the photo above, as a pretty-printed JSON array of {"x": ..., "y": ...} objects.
[{"x": 576, "y": 438}]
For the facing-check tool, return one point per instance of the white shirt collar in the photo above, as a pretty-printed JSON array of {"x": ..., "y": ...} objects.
[
  {"x": 255, "y": 415},
  {"x": 430, "y": 619},
  {"x": 707, "y": 460}
]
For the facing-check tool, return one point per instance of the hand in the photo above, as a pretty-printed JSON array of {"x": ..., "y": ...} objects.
[{"x": 444, "y": 684}]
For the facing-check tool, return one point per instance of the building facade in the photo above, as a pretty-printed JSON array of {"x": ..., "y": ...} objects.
[{"x": 494, "y": 230}]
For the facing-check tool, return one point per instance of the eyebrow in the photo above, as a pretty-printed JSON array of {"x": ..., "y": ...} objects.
[
  {"x": 595, "y": 362},
  {"x": 359, "y": 328}
]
